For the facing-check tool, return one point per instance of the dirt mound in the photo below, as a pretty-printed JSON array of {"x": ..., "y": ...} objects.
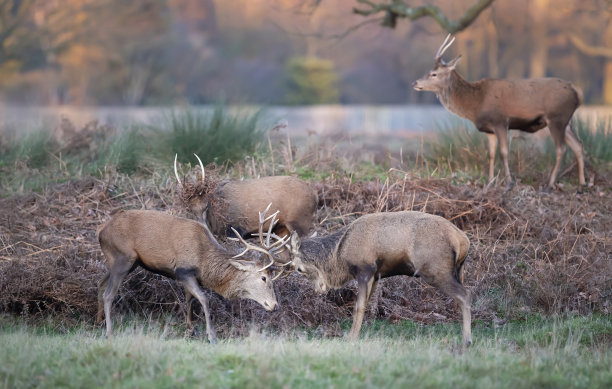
[{"x": 530, "y": 252}]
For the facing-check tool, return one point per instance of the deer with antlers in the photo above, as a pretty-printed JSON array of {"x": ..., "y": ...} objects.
[
  {"x": 495, "y": 106},
  {"x": 186, "y": 251},
  {"x": 382, "y": 245},
  {"x": 236, "y": 204}
]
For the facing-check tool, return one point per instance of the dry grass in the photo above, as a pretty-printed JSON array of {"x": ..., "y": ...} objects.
[{"x": 530, "y": 252}]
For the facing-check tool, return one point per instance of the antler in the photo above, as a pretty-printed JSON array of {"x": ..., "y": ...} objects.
[
  {"x": 201, "y": 167},
  {"x": 176, "y": 171},
  {"x": 267, "y": 247},
  {"x": 444, "y": 47}
]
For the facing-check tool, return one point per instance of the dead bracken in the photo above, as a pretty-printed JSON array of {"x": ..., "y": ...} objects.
[{"x": 530, "y": 252}]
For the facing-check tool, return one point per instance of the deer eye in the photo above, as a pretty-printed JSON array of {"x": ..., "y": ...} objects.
[
  {"x": 263, "y": 279},
  {"x": 434, "y": 74}
]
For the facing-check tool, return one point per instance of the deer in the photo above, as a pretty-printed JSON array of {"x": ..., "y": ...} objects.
[
  {"x": 186, "y": 251},
  {"x": 497, "y": 105},
  {"x": 386, "y": 244},
  {"x": 236, "y": 204}
]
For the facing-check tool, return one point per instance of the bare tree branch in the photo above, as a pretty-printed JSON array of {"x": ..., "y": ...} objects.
[
  {"x": 594, "y": 51},
  {"x": 399, "y": 9},
  {"x": 337, "y": 36}
]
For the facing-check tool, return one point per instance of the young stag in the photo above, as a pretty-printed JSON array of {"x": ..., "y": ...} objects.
[
  {"x": 382, "y": 245},
  {"x": 236, "y": 204},
  {"x": 186, "y": 251},
  {"x": 495, "y": 106}
]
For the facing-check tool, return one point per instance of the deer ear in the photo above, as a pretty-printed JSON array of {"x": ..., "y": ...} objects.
[
  {"x": 453, "y": 62},
  {"x": 243, "y": 265},
  {"x": 295, "y": 241}
]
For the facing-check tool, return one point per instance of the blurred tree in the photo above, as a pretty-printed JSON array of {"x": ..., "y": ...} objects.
[
  {"x": 602, "y": 52},
  {"x": 311, "y": 80},
  {"x": 125, "y": 41},
  {"x": 540, "y": 13},
  {"x": 14, "y": 35}
]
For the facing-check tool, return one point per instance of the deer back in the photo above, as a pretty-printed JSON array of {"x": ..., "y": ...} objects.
[
  {"x": 241, "y": 202},
  {"x": 161, "y": 241}
]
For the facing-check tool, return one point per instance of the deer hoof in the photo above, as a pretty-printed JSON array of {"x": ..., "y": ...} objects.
[{"x": 582, "y": 188}]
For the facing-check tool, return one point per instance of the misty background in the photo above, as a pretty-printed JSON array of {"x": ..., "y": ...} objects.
[{"x": 280, "y": 52}]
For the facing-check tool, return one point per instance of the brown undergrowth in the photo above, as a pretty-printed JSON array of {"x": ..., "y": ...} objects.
[{"x": 530, "y": 252}]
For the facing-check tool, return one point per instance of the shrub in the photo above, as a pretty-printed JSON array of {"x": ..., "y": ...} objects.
[
  {"x": 214, "y": 137},
  {"x": 34, "y": 149},
  {"x": 311, "y": 80},
  {"x": 596, "y": 138}
]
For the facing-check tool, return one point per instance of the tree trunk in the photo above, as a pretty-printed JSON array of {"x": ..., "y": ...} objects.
[
  {"x": 539, "y": 48},
  {"x": 607, "y": 82}
]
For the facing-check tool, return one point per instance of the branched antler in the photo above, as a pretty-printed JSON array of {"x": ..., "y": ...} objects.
[{"x": 268, "y": 247}]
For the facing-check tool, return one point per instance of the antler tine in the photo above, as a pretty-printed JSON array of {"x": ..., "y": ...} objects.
[
  {"x": 262, "y": 221},
  {"x": 249, "y": 246},
  {"x": 273, "y": 222},
  {"x": 176, "y": 171},
  {"x": 438, "y": 54},
  {"x": 444, "y": 47},
  {"x": 201, "y": 167},
  {"x": 279, "y": 241},
  {"x": 278, "y": 275},
  {"x": 282, "y": 266},
  {"x": 267, "y": 266}
]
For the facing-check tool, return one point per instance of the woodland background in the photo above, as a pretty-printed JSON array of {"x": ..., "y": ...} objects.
[{"x": 162, "y": 52}]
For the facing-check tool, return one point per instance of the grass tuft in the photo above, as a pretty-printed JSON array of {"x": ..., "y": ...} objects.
[{"x": 215, "y": 137}]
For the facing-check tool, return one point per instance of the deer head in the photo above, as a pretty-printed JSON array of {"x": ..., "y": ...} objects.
[{"x": 439, "y": 77}]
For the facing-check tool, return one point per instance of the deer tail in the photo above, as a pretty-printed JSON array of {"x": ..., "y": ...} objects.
[
  {"x": 579, "y": 94},
  {"x": 99, "y": 230},
  {"x": 460, "y": 251}
]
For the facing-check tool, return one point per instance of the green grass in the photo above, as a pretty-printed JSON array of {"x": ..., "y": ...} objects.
[
  {"x": 33, "y": 150},
  {"x": 31, "y": 162},
  {"x": 460, "y": 151},
  {"x": 596, "y": 137},
  {"x": 536, "y": 353},
  {"x": 214, "y": 137}
]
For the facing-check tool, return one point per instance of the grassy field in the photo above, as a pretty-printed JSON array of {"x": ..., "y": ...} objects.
[{"x": 573, "y": 352}]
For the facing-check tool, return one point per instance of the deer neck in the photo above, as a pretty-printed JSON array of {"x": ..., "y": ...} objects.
[
  {"x": 321, "y": 252},
  {"x": 460, "y": 97},
  {"x": 215, "y": 271}
]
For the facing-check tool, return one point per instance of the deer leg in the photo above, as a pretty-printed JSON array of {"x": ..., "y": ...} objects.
[
  {"x": 191, "y": 286},
  {"x": 120, "y": 268},
  {"x": 101, "y": 288},
  {"x": 188, "y": 301},
  {"x": 492, "y": 143},
  {"x": 452, "y": 288},
  {"x": 364, "y": 284},
  {"x": 502, "y": 135},
  {"x": 560, "y": 151},
  {"x": 372, "y": 287},
  {"x": 371, "y": 291},
  {"x": 576, "y": 145}
]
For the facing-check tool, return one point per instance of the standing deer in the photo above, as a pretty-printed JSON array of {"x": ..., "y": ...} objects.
[
  {"x": 494, "y": 106},
  {"x": 186, "y": 251},
  {"x": 236, "y": 204},
  {"x": 382, "y": 245}
]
